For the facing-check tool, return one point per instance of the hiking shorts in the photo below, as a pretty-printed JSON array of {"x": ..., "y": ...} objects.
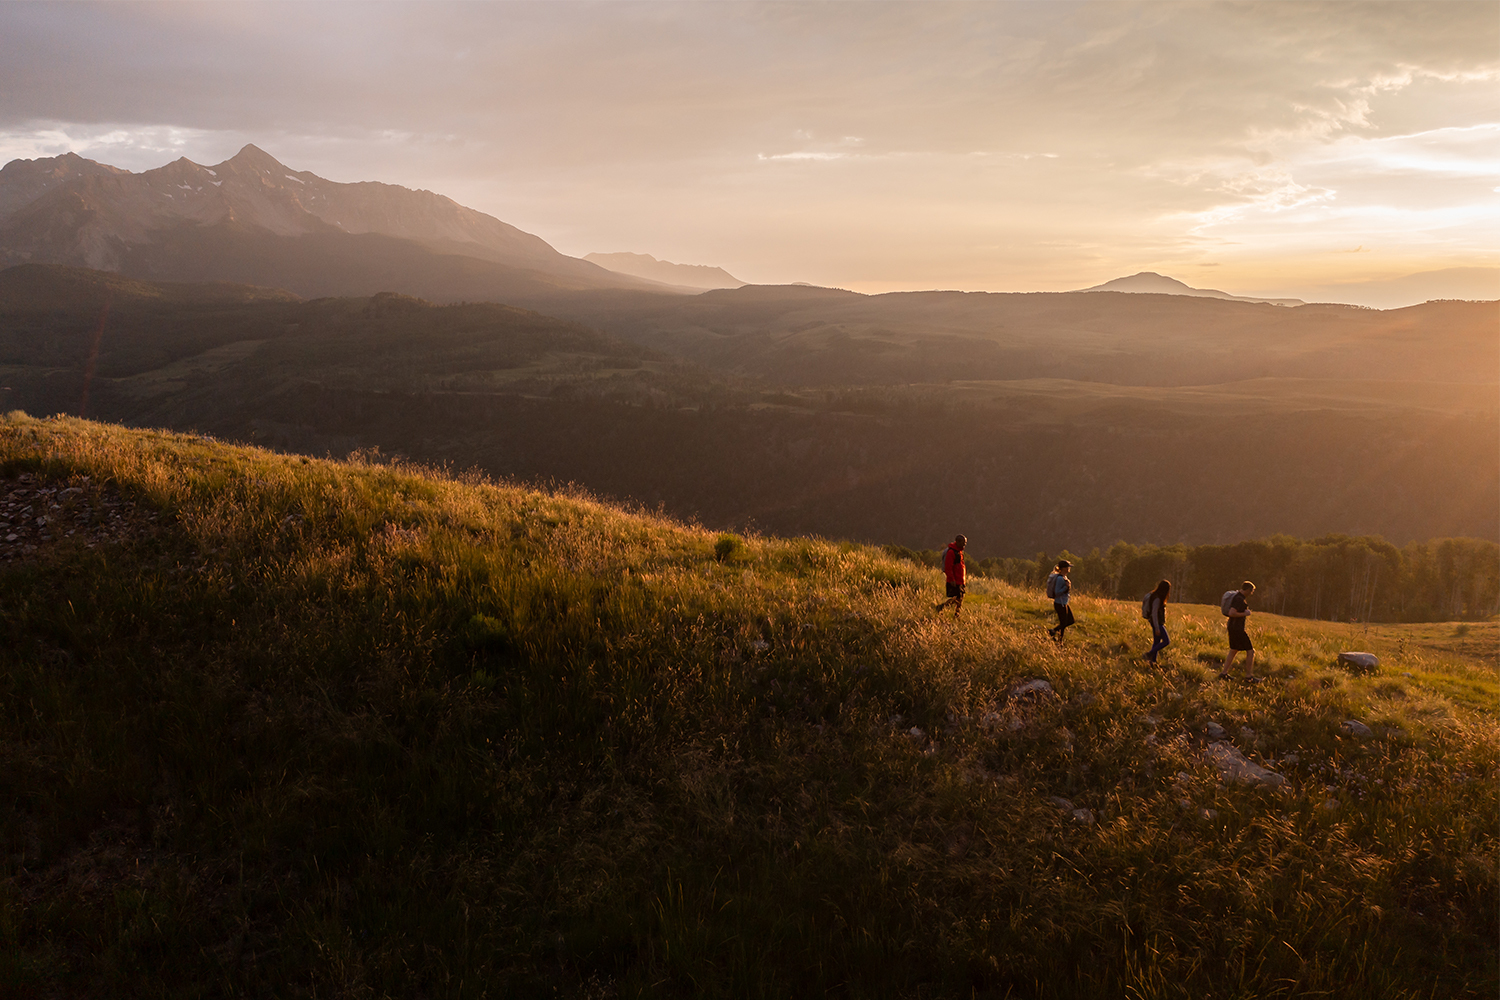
[
  {"x": 1240, "y": 640},
  {"x": 956, "y": 589}
]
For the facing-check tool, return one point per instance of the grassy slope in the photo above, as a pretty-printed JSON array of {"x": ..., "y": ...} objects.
[{"x": 339, "y": 729}]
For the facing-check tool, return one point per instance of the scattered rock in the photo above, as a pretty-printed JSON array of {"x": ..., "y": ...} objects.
[
  {"x": 1148, "y": 722},
  {"x": 1359, "y": 663},
  {"x": 1208, "y": 815},
  {"x": 1061, "y": 803},
  {"x": 1235, "y": 766},
  {"x": 1331, "y": 805},
  {"x": 916, "y": 733},
  {"x": 1085, "y": 699},
  {"x": 1215, "y": 731},
  {"x": 1247, "y": 735},
  {"x": 37, "y": 515},
  {"x": 1084, "y": 816},
  {"x": 1174, "y": 695},
  {"x": 1290, "y": 758},
  {"x": 1353, "y": 727},
  {"x": 990, "y": 720},
  {"x": 1032, "y": 688}
]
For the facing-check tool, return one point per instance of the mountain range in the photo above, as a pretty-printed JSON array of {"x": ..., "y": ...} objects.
[
  {"x": 253, "y": 220},
  {"x": 643, "y": 265}
]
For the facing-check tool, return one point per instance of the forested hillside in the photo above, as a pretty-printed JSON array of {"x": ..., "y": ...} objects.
[{"x": 1019, "y": 465}]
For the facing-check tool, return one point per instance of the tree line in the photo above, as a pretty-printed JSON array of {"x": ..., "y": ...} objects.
[{"x": 1334, "y": 578}]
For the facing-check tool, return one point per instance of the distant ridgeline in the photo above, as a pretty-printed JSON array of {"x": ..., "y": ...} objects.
[{"x": 1336, "y": 577}]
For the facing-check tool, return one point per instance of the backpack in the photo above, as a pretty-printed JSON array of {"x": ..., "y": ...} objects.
[
  {"x": 1227, "y": 601},
  {"x": 1052, "y": 586},
  {"x": 1146, "y": 605}
]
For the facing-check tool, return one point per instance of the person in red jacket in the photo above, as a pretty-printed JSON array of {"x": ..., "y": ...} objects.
[{"x": 953, "y": 570}]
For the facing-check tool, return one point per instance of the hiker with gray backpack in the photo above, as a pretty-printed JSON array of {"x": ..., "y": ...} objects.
[
  {"x": 1058, "y": 588},
  {"x": 1235, "y": 604},
  {"x": 1154, "y": 610}
]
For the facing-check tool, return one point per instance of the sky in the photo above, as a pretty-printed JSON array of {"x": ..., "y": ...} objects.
[{"x": 1325, "y": 151}]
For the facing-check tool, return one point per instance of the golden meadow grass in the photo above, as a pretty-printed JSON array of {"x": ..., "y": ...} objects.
[{"x": 349, "y": 729}]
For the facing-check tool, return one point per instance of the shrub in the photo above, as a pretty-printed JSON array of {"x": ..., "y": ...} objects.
[{"x": 730, "y": 548}]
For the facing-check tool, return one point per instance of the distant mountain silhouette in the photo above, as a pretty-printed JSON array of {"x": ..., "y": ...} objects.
[
  {"x": 252, "y": 219},
  {"x": 643, "y": 265},
  {"x": 1159, "y": 284}
]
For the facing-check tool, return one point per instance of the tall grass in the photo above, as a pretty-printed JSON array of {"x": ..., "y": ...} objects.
[{"x": 358, "y": 730}]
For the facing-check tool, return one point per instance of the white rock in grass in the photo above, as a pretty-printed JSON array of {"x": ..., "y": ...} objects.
[
  {"x": 1235, "y": 766},
  {"x": 1359, "y": 663},
  {"x": 1061, "y": 803},
  {"x": 916, "y": 733},
  {"x": 1037, "y": 686},
  {"x": 1214, "y": 731},
  {"x": 1084, "y": 816},
  {"x": 1353, "y": 727}
]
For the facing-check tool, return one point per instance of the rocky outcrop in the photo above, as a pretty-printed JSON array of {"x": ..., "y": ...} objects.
[{"x": 1235, "y": 767}]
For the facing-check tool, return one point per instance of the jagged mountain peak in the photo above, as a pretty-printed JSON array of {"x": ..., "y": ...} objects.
[{"x": 252, "y": 157}]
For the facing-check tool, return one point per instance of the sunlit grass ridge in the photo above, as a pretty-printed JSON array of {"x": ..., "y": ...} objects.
[{"x": 349, "y": 728}]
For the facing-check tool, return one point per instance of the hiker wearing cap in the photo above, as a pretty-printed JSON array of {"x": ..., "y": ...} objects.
[
  {"x": 1058, "y": 588},
  {"x": 955, "y": 574},
  {"x": 1154, "y": 610},
  {"x": 1236, "y": 607}
]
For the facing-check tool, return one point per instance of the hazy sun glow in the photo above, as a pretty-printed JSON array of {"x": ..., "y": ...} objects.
[{"x": 1308, "y": 150}]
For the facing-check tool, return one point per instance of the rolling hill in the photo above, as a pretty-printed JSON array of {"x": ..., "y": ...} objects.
[
  {"x": 1018, "y": 464},
  {"x": 795, "y": 335},
  {"x": 1159, "y": 284},
  {"x": 278, "y": 726}
]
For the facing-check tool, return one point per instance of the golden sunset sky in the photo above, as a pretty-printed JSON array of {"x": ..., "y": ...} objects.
[{"x": 1326, "y": 151}]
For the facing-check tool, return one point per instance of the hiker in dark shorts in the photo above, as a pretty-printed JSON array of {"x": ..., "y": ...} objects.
[
  {"x": 955, "y": 574},
  {"x": 1058, "y": 588},
  {"x": 1156, "y": 614},
  {"x": 1239, "y": 640}
]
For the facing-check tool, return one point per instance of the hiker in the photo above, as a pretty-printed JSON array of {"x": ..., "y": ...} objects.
[
  {"x": 1236, "y": 607},
  {"x": 1058, "y": 588},
  {"x": 956, "y": 575},
  {"x": 1154, "y": 610}
]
